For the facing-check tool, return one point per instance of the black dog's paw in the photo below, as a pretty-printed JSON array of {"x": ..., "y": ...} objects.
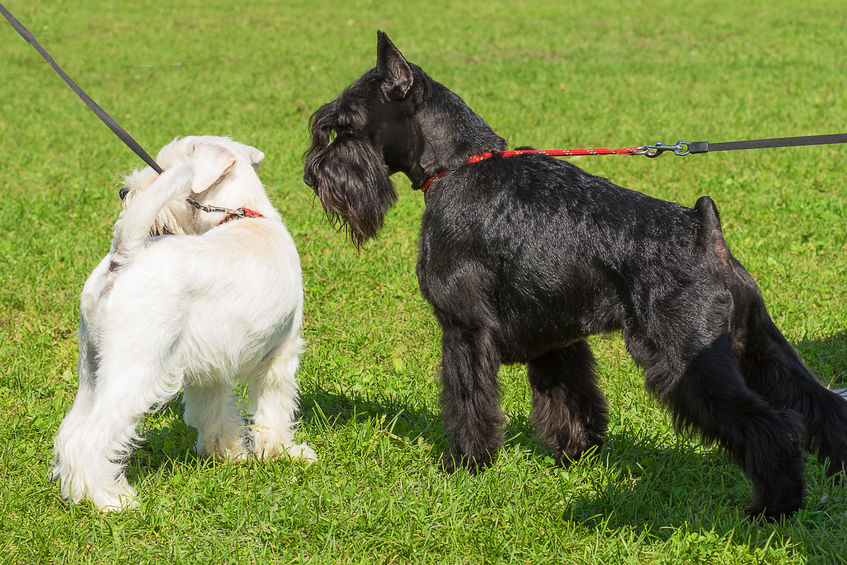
[
  {"x": 450, "y": 463},
  {"x": 447, "y": 462},
  {"x": 774, "y": 511},
  {"x": 565, "y": 459}
]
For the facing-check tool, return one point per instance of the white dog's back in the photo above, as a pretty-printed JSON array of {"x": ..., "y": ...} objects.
[{"x": 187, "y": 281}]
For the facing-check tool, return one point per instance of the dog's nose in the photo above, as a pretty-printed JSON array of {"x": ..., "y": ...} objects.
[
  {"x": 122, "y": 192},
  {"x": 307, "y": 178}
]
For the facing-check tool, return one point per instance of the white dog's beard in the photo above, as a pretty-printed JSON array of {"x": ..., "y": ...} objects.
[{"x": 166, "y": 223}]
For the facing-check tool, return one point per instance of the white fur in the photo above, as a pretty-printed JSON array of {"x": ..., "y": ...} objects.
[{"x": 199, "y": 309}]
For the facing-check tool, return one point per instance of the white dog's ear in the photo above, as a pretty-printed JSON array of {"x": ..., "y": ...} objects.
[
  {"x": 256, "y": 156},
  {"x": 211, "y": 164}
]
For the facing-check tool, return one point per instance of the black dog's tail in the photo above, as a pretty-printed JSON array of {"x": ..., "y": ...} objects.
[
  {"x": 769, "y": 364},
  {"x": 772, "y": 368},
  {"x": 710, "y": 235}
]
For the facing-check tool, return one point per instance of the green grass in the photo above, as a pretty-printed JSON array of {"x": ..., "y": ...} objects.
[{"x": 548, "y": 74}]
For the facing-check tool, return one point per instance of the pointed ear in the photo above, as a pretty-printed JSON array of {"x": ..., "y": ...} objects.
[
  {"x": 211, "y": 164},
  {"x": 392, "y": 68},
  {"x": 256, "y": 157}
]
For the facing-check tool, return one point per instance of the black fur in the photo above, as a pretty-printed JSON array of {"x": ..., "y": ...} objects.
[{"x": 522, "y": 258}]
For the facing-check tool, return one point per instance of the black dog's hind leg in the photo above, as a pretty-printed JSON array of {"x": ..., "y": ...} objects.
[
  {"x": 568, "y": 408},
  {"x": 772, "y": 368},
  {"x": 711, "y": 397},
  {"x": 470, "y": 398}
]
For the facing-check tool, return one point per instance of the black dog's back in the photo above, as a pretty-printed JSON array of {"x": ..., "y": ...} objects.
[{"x": 556, "y": 247}]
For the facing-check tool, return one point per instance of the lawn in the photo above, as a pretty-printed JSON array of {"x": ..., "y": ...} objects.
[{"x": 547, "y": 74}]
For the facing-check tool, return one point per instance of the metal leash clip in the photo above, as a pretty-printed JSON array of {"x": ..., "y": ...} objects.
[
  {"x": 681, "y": 148},
  {"x": 210, "y": 208}
]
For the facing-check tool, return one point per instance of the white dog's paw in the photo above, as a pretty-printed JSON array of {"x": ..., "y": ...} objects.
[
  {"x": 302, "y": 452},
  {"x": 220, "y": 449},
  {"x": 111, "y": 495},
  {"x": 265, "y": 446},
  {"x": 124, "y": 498}
]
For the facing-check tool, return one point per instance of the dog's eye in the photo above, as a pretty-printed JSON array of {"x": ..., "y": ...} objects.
[{"x": 122, "y": 192}]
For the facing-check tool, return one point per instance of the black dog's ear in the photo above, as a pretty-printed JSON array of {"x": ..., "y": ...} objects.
[{"x": 392, "y": 68}]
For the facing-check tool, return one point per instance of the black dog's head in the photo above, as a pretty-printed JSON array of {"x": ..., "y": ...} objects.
[{"x": 393, "y": 119}]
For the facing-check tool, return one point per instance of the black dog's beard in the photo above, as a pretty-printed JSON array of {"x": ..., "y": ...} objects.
[{"x": 352, "y": 182}]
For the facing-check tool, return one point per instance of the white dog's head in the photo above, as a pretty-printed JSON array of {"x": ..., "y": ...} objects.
[{"x": 224, "y": 174}]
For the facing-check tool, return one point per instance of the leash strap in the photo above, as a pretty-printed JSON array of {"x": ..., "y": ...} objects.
[
  {"x": 92, "y": 105},
  {"x": 706, "y": 147},
  {"x": 555, "y": 153},
  {"x": 682, "y": 148},
  {"x": 551, "y": 152}
]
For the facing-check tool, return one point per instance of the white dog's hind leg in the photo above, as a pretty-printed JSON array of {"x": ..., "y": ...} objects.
[
  {"x": 99, "y": 433},
  {"x": 84, "y": 466},
  {"x": 71, "y": 467},
  {"x": 212, "y": 411},
  {"x": 274, "y": 394}
]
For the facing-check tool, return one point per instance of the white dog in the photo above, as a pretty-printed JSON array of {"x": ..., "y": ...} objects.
[{"x": 201, "y": 304}]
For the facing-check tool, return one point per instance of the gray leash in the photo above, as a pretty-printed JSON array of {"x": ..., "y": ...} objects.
[
  {"x": 104, "y": 116},
  {"x": 682, "y": 148},
  {"x": 98, "y": 111}
]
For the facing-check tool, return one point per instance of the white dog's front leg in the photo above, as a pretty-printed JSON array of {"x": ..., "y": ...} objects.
[
  {"x": 275, "y": 398},
  {"x": 212, "y": 411}
]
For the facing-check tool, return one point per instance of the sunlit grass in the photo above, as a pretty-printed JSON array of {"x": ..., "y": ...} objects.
[{"x": 553, "y": 75}]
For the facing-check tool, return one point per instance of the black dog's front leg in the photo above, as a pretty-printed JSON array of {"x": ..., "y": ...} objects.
[
  {"x": 470, "y": 401},
  {"x": 568, "y": 408}
]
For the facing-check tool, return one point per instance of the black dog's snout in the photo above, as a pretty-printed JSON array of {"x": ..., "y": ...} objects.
[
  {"x": 309, "y": 180},
  {"x": 122, "y": 192}
]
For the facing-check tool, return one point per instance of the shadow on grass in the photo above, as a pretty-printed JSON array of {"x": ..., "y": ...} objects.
[
  {"x": 638, "y": 482},
  {"x": 167, "y": 441},
  {"x": 827, "y": 358},
  {"x": 640, "y": 478},
  {"x": 408, "y": 418}
]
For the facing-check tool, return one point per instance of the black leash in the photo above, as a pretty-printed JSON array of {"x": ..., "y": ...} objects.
[
  {"x": 705, "y": 146},
  {"x": 104, "y": 116},
  {"x": 98, "y": 111},
  {"x": 682, "y": 148}
]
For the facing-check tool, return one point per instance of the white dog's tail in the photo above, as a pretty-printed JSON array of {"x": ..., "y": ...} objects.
[{"x": 133, "y": 226}]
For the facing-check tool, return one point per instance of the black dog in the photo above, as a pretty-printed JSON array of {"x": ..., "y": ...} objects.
[{"x": 523, "y": 257}]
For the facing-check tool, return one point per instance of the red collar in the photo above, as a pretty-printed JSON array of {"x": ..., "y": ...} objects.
[
  {"x": 241, "y": 213},
  {"x": 552, "y": 152}
]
